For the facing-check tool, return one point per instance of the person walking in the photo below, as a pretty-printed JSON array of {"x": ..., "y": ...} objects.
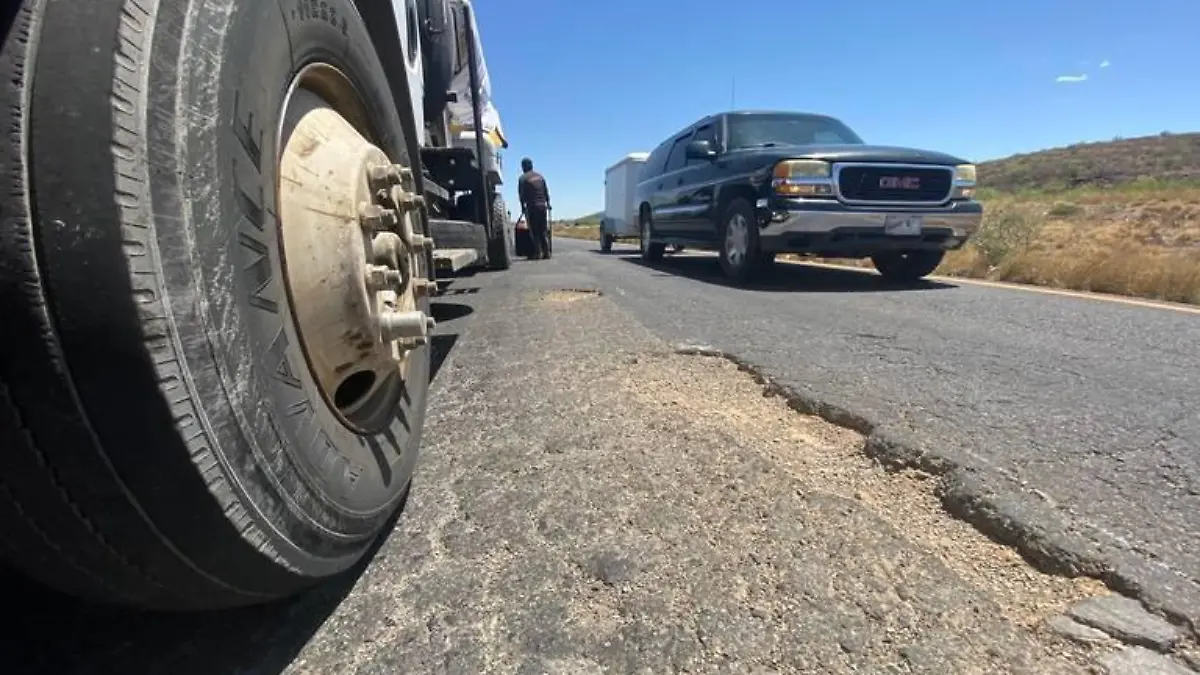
[{"x": 535, "y": 204}]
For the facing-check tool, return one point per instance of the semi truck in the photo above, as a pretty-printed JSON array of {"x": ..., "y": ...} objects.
[{"x": 221, "y": 225}]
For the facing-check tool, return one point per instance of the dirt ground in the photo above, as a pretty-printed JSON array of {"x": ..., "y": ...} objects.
[
  {"x": 630, "y": 509},
  {"x": 589, "y": 500}
]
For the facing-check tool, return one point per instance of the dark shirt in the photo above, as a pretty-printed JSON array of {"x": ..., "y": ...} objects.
[{"x": 532, "y": 190}]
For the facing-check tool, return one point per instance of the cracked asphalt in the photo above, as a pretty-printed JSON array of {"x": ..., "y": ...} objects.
[
  {"x": 1074, "y": 421},
  {"x": 591, "y": 500}
]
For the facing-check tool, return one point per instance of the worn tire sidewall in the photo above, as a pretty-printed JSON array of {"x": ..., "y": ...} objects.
[
  {"x": 318, "y": 490},
  {"x": 342, "y": 482}
]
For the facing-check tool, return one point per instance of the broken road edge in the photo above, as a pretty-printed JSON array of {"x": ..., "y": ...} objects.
[{"x": 973, "y": 498}]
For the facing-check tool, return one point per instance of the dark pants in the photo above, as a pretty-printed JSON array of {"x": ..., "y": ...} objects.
[{"x": 539, "y": 232}]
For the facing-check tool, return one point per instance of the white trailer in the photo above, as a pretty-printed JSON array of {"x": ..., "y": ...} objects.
[{"x": 620, "y": 211}]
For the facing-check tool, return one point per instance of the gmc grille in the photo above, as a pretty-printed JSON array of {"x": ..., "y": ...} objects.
[{"x": 883, "y": 183}]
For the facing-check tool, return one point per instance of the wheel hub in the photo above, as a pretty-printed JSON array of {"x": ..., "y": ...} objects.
[
  {"x": 354, "y": 262},
  {"x": 736, "y": 240}
]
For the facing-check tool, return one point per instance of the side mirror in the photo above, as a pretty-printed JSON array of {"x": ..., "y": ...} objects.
[{"x": 700, "y": 150}]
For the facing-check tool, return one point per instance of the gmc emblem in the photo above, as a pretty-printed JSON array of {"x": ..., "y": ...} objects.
[{"x": 899, "y": 183}]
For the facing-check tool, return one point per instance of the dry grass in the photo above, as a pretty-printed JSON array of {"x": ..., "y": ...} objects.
[
  {"x": 576, "y": 231},
  {"x": 1135, "y": 241}
]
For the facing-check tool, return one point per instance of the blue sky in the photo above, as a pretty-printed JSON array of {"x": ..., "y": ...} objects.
[{"x": 579, "y": 84}]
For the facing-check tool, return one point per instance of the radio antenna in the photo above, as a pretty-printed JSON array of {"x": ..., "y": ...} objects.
[{"x": 732, "y": 92}]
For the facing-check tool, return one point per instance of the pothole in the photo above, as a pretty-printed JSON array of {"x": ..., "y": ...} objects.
[{"x": 565, "y": 296}]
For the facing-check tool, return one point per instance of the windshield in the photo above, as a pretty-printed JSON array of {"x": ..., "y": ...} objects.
[{"x": 746, "y": 131}]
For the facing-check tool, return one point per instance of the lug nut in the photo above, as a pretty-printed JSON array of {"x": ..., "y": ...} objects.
[
  {"x": 382, "y": 278},
  {"x": 422, "y": 287},
  {"x": 376, "y": 277},
  {"x": 381, "y": 178},
  {"x": 421, "y": 241},
  {"x": 373, "y": 218},
  {"x": 399, "y": 325},
  {"x": 403, "y": 174},
  {"x": 377, "y": 174},
  {"x": 407, "y": 201}
]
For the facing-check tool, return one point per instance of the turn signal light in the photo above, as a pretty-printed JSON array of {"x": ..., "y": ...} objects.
[{"x": 793, "y": 189}]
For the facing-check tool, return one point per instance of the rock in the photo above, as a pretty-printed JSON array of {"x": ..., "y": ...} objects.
[
  {"x": 852, "y": 643},
  {"x": 1070, "y": 628},
  {"x": 1126, "y": 620},
  {"x": 1141, "y": 661}
]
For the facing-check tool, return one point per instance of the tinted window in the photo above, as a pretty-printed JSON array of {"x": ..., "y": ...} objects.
[
  {"x": 708, "y": 133},
  {"x": 675, "y": 161},
  {"x": 788, "y": 129},
  {"x": 655, "y": 162}
]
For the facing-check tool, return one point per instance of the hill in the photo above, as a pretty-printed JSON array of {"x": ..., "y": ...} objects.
[
  {"x": 589, "y": 219},
  {"x": 1165, "y": 157},
  {"x": 1121, "y": 216}
]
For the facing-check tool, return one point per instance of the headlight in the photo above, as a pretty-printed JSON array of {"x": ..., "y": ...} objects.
[
  {"x": 802, "y": 168},
  {"x": 964, "y": 181},
  {"x": 802, "y": 178}
]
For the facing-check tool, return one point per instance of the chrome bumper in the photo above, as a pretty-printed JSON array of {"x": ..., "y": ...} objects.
[{"x": 809, "y": 226}]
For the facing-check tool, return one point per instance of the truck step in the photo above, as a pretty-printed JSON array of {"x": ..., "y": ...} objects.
[
  {"x": 432, "y": 188},
  {"x": 453, "y": 260}
]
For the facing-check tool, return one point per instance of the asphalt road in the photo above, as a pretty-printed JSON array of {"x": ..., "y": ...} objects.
[
  {"x": 591, "y": 498},
  {"x": 1075, "y": 422}
]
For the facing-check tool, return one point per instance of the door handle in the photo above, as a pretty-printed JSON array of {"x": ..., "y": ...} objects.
[{"x": 680, "y": 181}]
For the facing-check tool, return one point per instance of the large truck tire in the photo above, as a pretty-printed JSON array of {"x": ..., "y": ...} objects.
[
  {"x": 166, "y": 443},
  {"x": 502, "y": 242},
  {"x": 437, "y": 54}
]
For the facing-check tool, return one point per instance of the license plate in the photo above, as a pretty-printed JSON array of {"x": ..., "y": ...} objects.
[{"x": 903, "y": 225}]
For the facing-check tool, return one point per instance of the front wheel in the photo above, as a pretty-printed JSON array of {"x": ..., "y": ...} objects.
[
  {"x": 502, "y": 240},
  {"x": 907, "y": 266},
  {"x": 215, "y": 371},
  {"x": 741, "y": 258}
]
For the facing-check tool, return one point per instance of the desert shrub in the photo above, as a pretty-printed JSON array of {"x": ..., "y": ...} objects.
[
  {"x": 1063, "y": 210},
  {"x": 1004, "y": 232}
]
